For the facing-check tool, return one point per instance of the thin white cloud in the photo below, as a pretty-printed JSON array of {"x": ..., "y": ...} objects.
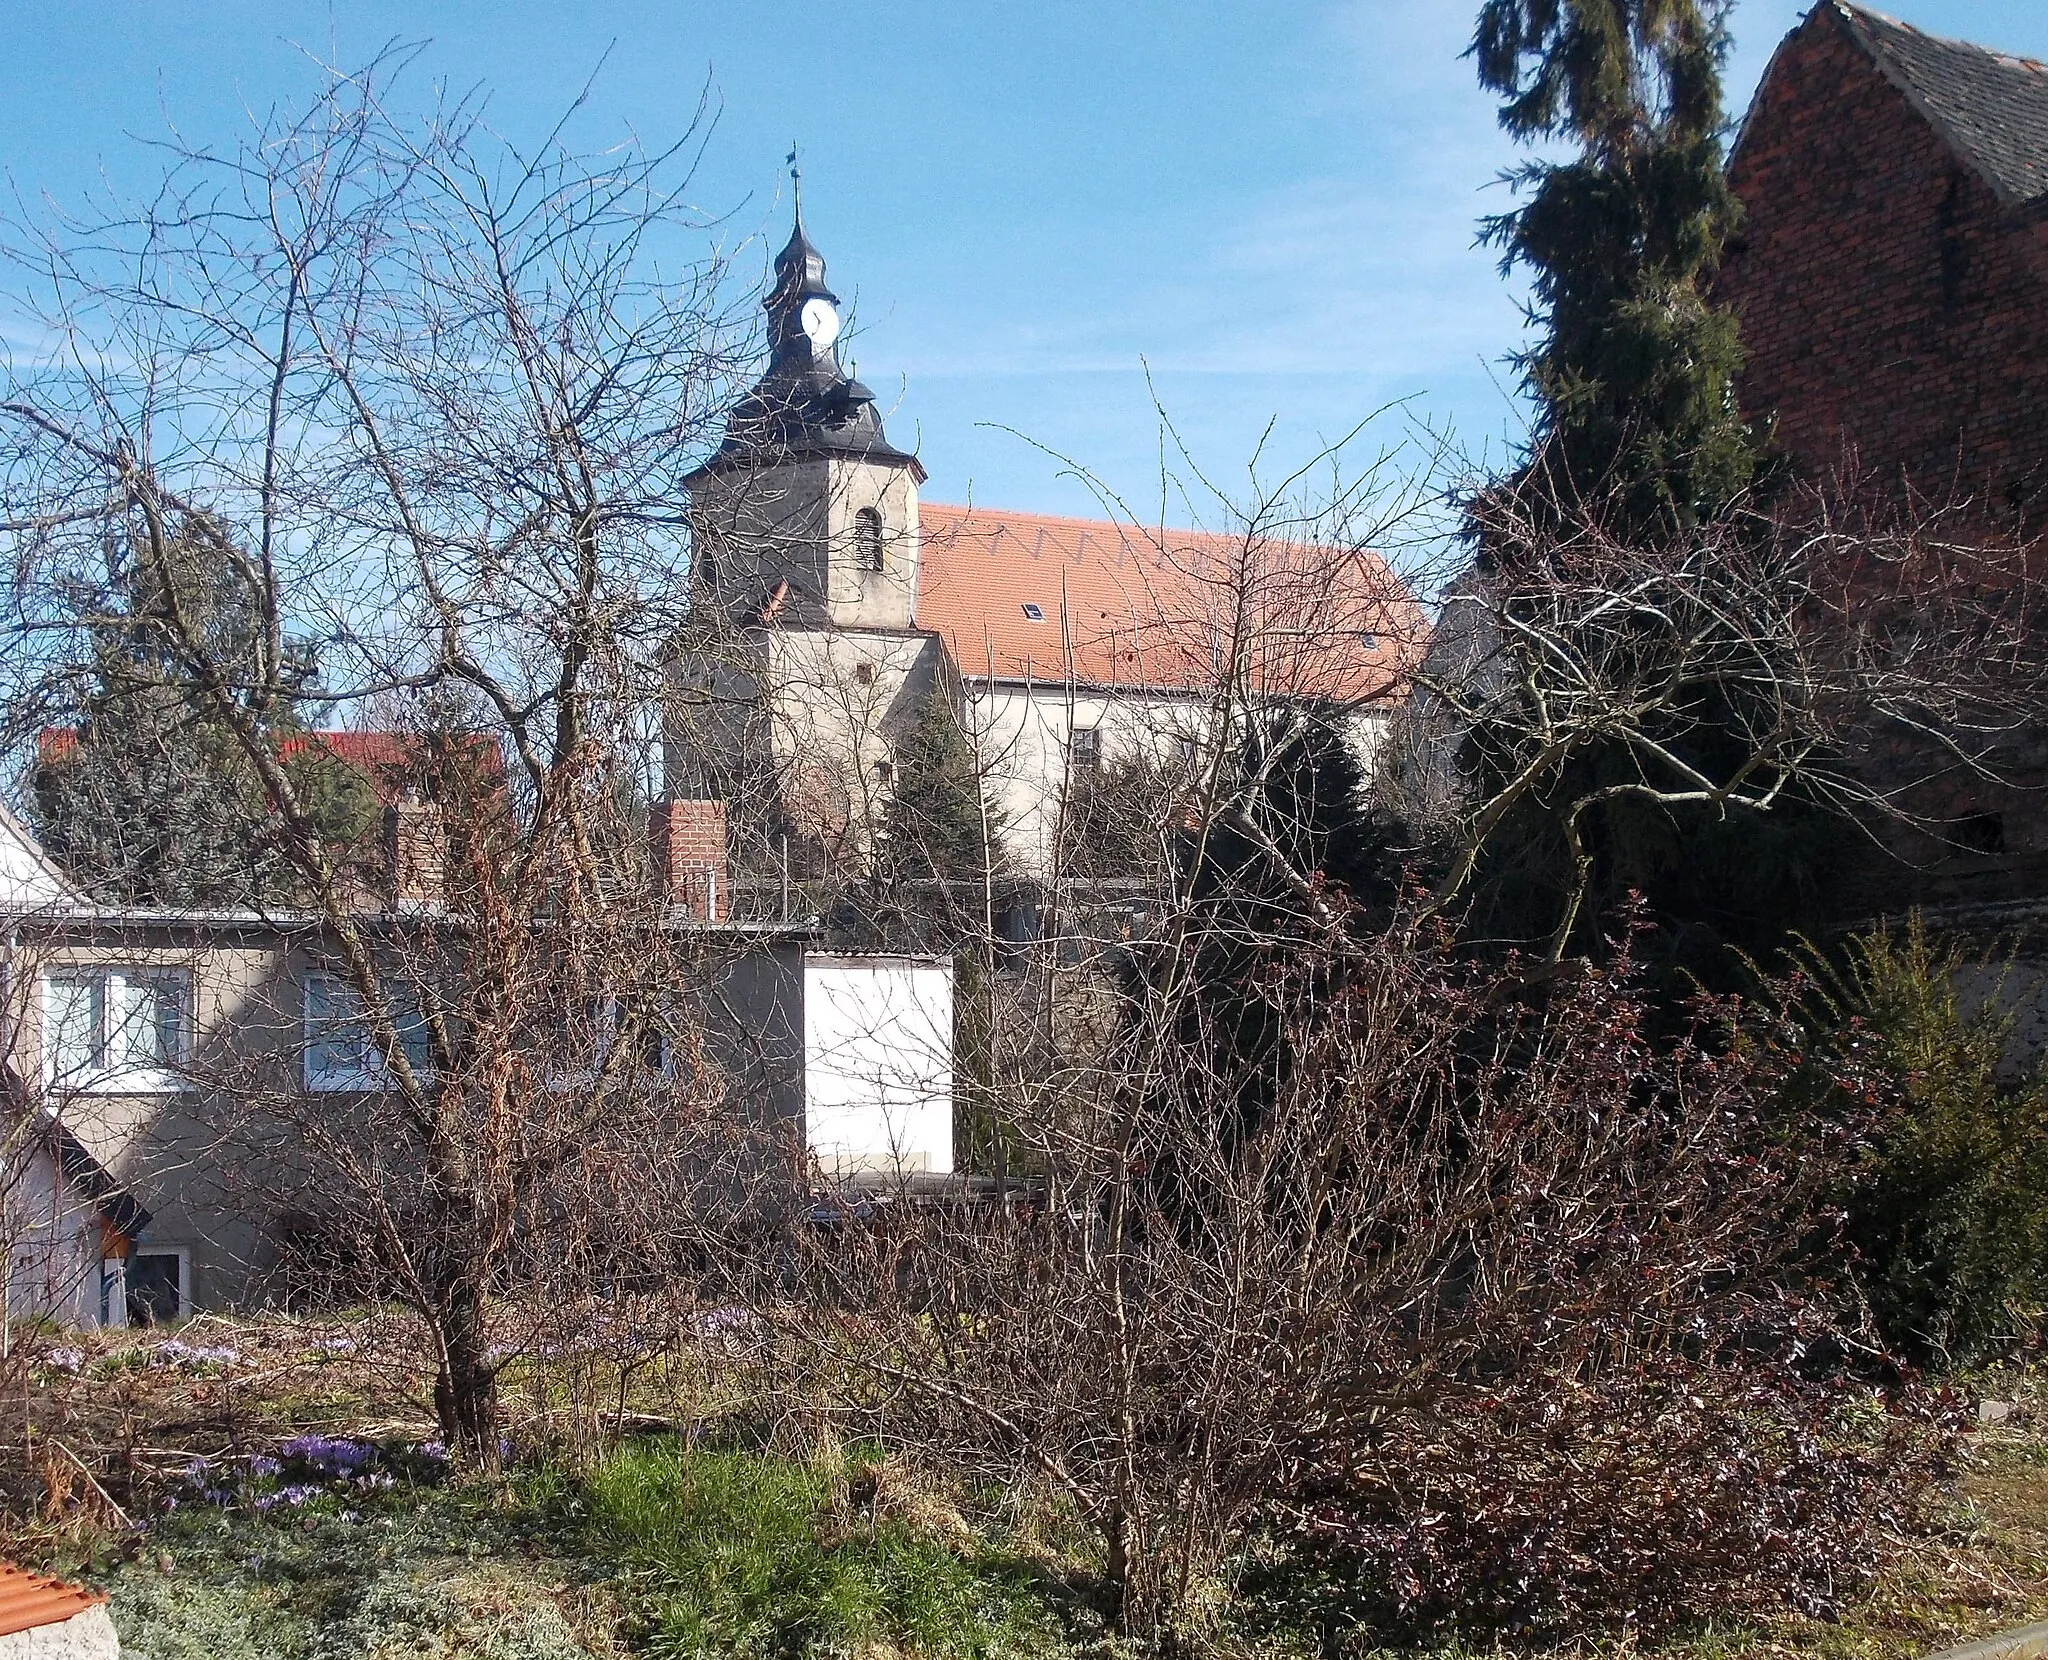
[{"x": 1367, "y": 270}]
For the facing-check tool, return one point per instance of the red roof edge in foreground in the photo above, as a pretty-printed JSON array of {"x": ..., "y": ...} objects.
[{"x": 28, "y": 1600}]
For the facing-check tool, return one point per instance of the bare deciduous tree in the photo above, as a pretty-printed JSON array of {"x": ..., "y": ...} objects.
[{"x": 428, "y": 397}]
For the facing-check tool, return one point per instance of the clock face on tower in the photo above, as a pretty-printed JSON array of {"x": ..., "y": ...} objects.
[{"x": 820, "y": 323}]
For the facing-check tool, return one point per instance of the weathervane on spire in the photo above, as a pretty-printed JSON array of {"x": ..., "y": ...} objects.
[{"x": 807, "y": 402}]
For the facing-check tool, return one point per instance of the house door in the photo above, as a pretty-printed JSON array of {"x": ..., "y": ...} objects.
[{"x": 156, "y": 1287}]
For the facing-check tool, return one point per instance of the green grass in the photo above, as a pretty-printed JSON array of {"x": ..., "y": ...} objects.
[
  {"x": 670, "y": 1551},
  {"x": 428, "y": 1574},
  {"x": 742, "y": 1555}
]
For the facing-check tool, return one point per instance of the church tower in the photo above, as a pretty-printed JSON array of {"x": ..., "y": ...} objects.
[
  {"x": 805, "y": 662},
  {"x": 807, "y": 513}
]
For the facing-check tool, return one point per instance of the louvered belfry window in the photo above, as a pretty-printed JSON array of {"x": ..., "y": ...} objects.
[{"x": 867, "y": 538}]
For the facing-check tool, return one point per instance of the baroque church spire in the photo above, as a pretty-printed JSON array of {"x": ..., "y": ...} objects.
[{"x": 805, "y": 403}]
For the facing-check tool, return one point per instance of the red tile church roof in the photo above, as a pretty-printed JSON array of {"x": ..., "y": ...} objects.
[{"x": 1026, "y": 596}]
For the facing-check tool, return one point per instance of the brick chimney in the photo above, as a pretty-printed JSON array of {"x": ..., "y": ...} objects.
[
  {"x": 688, "y": 843},
  {"x": 416, "y": 853}
]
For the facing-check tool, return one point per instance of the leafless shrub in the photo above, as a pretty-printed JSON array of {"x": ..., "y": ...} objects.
[
  {"x": 1472, "y": 1287},
  {"x": 1876, "y": 669}
]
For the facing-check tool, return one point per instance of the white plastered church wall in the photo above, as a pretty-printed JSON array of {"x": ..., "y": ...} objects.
[{"x": 1024, "y": 733}]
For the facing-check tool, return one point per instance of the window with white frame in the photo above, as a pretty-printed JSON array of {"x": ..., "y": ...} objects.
[
  {"x": 116, "y": 1028},
  {"x": 1084, "y": 751},
  {"x": 341, "y": 1052}
]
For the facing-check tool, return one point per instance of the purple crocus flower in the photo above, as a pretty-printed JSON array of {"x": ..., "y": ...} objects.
[{"x": 331, "y": 1454}]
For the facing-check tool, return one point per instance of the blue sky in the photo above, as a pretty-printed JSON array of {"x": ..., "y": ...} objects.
[{"x": 1271, "y": 205}]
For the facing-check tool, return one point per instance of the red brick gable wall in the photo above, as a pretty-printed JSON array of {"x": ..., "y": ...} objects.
[{"x": 1888, "y": 300}]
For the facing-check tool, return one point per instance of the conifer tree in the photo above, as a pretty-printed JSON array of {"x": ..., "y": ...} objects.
[
  {"x": 937, "y": 825},
  {"x": 148, "y": 798},
  {"x": 1634, "y": 374},
  {"x": 1949, "y": 1214},
  {"x": 1266, "y": 884},
  {"x": 1638, "y": 448}
]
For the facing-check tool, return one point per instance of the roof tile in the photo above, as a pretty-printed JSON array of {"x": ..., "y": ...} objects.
[
  {"x": 1990, "y": 107},
  {"x": 1152, "y": 609},
  {"x": 28, "y": 1600}
]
